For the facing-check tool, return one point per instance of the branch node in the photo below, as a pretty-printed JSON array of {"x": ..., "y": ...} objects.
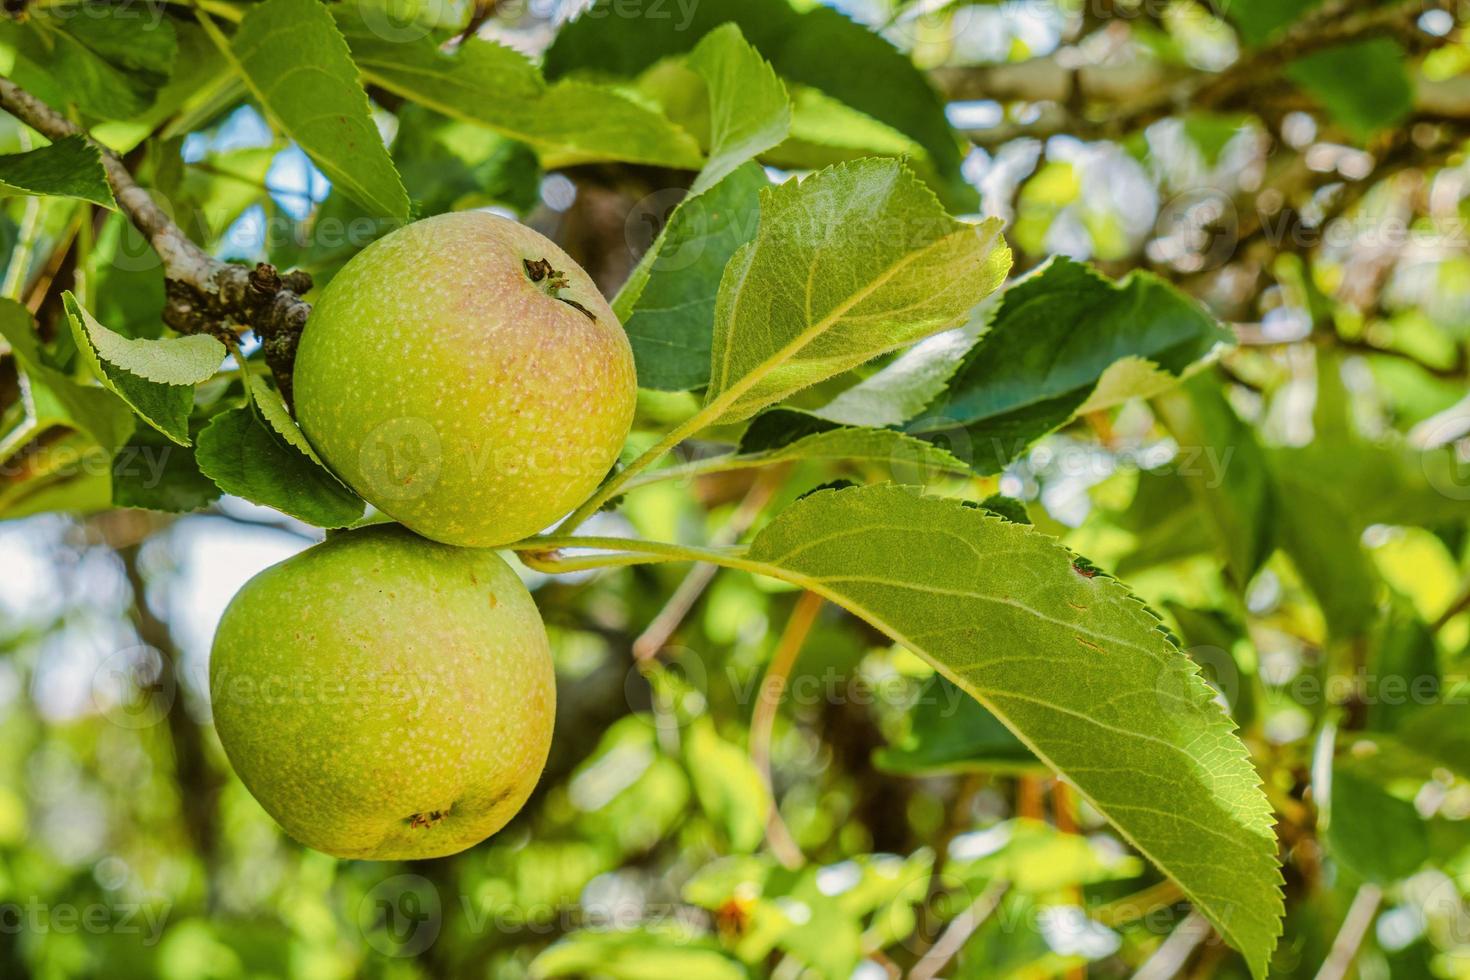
[{"x": 202, "y": 293}]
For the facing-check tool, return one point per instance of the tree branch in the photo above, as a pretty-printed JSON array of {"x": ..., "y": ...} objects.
[
  {"x": 763, "y": 719},
  {"x": 204, "y": 295},
  {"x": 1139, "y": 91},
  {"x": 662, "y": 626},
  {"x": 1169, "y": 959},
  {"x": 960, "y": 929},
  {"x": 1329, "y": 26},
  {"x": 1360, "y": 916}
]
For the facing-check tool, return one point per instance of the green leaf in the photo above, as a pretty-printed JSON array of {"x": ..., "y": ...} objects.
[
  {"x": 636, "y": 954},
  {"x": 448, "y": 164},
  {"x": 825, "y": 131},
  {"x": 68, "y": 473},
  {"x": 1387, "y": 482},
  {"x": 202, "y": 84},
  {"x": 74, "y": 427},
  {"x": 1259, "y": 19},
  {"x": 485, "y": 83},
  {"x": 1071, "y": 662},
  {"x": 1378, "y": 836},
  {"x": 296, "y": 64},
  {"x": 51, "y": 398},
  {"x": 749, "y": 111},
  {"x": 1226, "y": 472},
  {"x": 1405, "y": 663},
  {"x": 668, "y": 304},
  {"x": 151, "y": 472},
  {"x": 155, "y": 377},
  {"x": 1440, "y": 731},
  {"x": 949, "y": 731},
  {"x": 728, "y": 787},
  {"x": 221, "y": 187},
  {"x": 1166, "y": 521},
  {"x": 1061, "y": 341},
  {"x": 127, "y": 290},
  {"x": 107, "y": 59},
  {"x": 241, "y": 451},
  {"x": 168, "y": 361},
  {"x": 902, "y": 388},
  {"x": 1039, "y": 859},
  {"x": 782, "y": 434},
  {"x": 70, "y": 167},
  {"x": 1323, "y": 538},
  {"x": 274, "y": 412},
  {"x": 852, "y": 262},
  {"x": 1365, "y": 86},
  {"x": 818, "y": 47}
]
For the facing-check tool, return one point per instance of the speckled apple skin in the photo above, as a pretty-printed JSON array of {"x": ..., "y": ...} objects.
[
  {"x": 384, "y": 696},
  {"x": 456, "y": 394}
]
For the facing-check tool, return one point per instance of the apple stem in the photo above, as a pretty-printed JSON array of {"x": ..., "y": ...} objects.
[{"x": 539, "y": 270}]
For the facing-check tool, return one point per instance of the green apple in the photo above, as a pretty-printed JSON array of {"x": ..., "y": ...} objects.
[
  {"x": 467, "y": 378},
  {"x": 384, "y": 696}
]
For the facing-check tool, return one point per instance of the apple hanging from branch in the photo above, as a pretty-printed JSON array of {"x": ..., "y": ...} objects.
[
  {"x": 466, "y": 377},
  {"x": 384, "y": 696}
]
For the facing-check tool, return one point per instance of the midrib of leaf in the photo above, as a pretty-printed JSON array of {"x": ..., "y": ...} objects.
[
  {"x": 446, "y": 77},
  {"x": 985, "y": 698},
  {"x": 713, "y": 410},
  {"x": 342, "y": 175},
  {"x": 227, "y": 51},
  {"x": 736, "y": 559},
  {"x": 760, "y": 371},
  {"x": 728, "y": 462}
]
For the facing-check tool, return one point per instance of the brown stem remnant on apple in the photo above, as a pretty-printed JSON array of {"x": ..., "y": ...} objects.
[
  {"x": 427, "y": 819},
  {"x": 203, "y": 294},
  {"x": 540, "y": 270}
]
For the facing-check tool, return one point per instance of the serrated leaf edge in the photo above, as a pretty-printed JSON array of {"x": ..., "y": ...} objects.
[{"x": 1260, "y": 822}]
